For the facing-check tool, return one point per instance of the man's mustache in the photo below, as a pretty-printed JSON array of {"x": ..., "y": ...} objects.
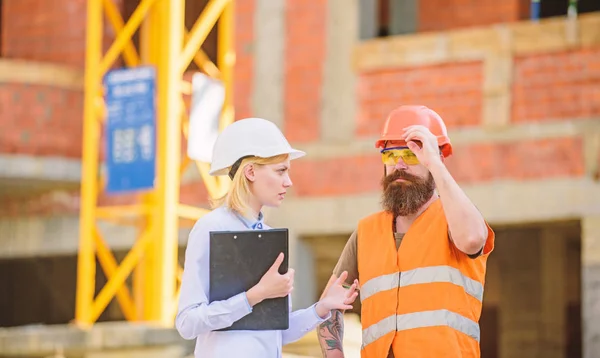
[{"x": 401, "y": 174}]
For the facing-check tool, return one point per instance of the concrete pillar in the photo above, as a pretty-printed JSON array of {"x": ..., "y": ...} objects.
[
  {"x": 553, "y": 260},
  {"x": 338, "y": 111},
  {"x": 520, "y": 297},
  {"x": 590, "y": 305},
  {"x": 268, "y": 79}
]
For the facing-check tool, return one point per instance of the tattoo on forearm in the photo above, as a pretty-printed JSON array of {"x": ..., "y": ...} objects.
[{"x": 331, "y": 333}]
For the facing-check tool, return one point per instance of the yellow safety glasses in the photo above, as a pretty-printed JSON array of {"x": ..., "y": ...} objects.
[{"x": 390, "y": 156}]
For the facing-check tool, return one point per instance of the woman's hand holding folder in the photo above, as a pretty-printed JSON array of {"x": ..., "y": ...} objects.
[{"x": 272, "y": 284}]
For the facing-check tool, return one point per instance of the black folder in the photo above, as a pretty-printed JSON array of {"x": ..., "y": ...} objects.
[{"x": 238, "y": 260}]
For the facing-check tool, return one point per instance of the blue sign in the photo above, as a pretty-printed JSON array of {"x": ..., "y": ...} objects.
[{"x": 130, "y": 129}]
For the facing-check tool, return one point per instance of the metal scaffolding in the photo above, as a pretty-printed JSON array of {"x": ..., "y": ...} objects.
[{"x": 166, "y": 44}]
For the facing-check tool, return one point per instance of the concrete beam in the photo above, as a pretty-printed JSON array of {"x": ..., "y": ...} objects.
[
  {"x": 59, "y": 235},
  {"x": 18, "y": 166},
  {"x": 43, "y": 341},
  {"x": 544, "y": 200},
  {"x": 24, "y": 174},
  {"x": 20, "y": 173},
  {"x": 40, "y": 73}
]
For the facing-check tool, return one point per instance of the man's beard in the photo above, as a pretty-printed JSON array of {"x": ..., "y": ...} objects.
[{"x": 405, "y": 198}]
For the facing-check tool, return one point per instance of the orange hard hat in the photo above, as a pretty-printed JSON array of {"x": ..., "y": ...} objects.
[{"x": 409, "y": 115}]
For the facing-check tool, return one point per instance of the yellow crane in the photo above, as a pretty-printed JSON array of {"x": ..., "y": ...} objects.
[{"x": 167, "y": 46}]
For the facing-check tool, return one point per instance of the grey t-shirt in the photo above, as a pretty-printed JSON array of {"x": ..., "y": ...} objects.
[{"x": 349, "y": 260}]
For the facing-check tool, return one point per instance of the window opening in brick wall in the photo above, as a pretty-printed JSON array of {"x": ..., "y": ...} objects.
[
  {"x": 553, "y": 8},
  {"x": 381, "y": 18}
]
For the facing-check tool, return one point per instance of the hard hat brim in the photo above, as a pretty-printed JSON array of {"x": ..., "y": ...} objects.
[{"x": 293, "y": 153}]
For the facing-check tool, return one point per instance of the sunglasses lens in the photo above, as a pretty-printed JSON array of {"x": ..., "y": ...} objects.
[
  {"x": 391, "y": 157},
  {"x": 388, "y": 158},
  {"x": 410, "y": 158}
]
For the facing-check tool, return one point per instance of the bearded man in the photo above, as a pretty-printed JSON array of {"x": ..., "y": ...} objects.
[{"x": 421, "y": 261}]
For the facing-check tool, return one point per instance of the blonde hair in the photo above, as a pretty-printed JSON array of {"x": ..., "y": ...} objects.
[{"x": 237, "y": 197}]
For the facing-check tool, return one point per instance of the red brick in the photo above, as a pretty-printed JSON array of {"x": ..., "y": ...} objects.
[
  {"x": 195, "y": 193},
  {"x": 453, "y": 90},
  {"x": 50, "y": 31},
  {"x": 305, "y": 23},
  {"x": 336, "y": 176},
  {"x": 557, "y": 86},
  {"x": 472, "y": 164},
  {"x": 440, "y": 15},
  {"x": 525, "y": 160},
  {"x": 40, "y": 120}
]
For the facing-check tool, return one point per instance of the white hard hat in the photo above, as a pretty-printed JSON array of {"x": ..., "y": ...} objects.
[{"x": 249, "y": 137}]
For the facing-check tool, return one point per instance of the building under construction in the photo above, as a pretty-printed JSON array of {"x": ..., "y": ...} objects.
[{"x": 87, "y": 270}]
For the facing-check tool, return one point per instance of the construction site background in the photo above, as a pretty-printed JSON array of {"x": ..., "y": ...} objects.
[{"x": 520, "y": 96}]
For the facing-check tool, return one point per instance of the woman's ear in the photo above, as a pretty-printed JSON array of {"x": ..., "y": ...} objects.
[{"x": 249, "y": 172}]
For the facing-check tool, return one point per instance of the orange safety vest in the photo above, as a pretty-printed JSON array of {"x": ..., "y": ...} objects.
[{"x": 423, "y": 300}]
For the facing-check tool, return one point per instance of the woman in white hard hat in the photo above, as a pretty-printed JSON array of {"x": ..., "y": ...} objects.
[{"x": 256, "y": 156}]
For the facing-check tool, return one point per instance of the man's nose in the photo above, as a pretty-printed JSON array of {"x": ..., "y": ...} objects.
[{"x": 401, "y": 164}]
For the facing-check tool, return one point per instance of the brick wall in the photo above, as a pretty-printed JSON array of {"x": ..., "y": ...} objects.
[
  {"x": 453, "y": 89},
  {"x": 518, "y": 160},
  {"x": 49, "y": 31},
  {"x": 51, "y": 118},
  {"x": 549, "y": 86},
  {"x": 40, "y": 120},
  {"x": 304, "y": 60},
  {"x": 440, "y": 15},
  {"x": 52, "y": 31},
  {"x": 470, "y": 164},
  {"x": 559, "y": 85}
]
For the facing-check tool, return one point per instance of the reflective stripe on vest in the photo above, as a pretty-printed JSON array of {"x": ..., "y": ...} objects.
[
  {"x": 420, "y": 320},
  {"x": 422, "y": 275}
]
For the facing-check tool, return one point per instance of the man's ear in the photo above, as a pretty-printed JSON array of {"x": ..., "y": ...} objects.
[{"x": 249, "y": 172}]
